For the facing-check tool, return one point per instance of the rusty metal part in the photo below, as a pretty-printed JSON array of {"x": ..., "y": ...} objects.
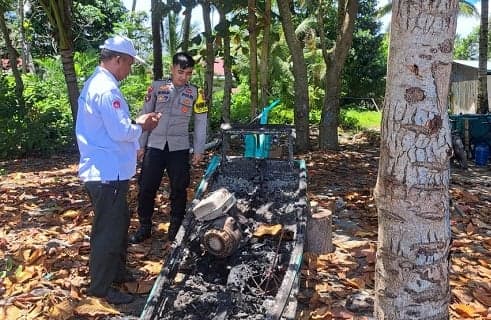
[{"x": 223, "y": 238}]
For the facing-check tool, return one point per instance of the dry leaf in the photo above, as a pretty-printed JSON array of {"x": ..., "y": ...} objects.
[
  {"x": 25, "y": 274},
  {"x": 163, "y": 227},
  {"x": 482, "y": 295},
  {"x": 322, "y": 313},
  {"x": 70, "y": 214},
  {"x": 487, "y": 243},
  {"x": 140, "y": 287},
  {"x": 61, "y": 311},
  {"x": 353, "y": 244},
  {"x": 75, "y": 236},
  {"x": 95, "y": 307},
  {"x": 470, "y": 229},
  {"x": 267, "y": 230},
  {"x": 322, "y": 287},
  {"x": 464, "y": 310},
  {"x": 10, "y": 312},
  {"x": 152, "y": 267},
  {"x": 365, "y": 234},
  {"x": 357, "y": 283},
  {"x": 31, "y": 255}
]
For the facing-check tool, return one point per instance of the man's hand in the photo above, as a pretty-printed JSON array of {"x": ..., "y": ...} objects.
[
  {"x": 148, "y": 121},
  {"x": 140, "y": 153},
  {"x": 197, "y": 157}
]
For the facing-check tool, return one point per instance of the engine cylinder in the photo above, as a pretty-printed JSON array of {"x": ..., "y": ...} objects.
[{"x": 223, "y": 237}]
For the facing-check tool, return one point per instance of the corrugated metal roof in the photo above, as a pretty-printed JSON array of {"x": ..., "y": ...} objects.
[{"x": 472, "y": 64}]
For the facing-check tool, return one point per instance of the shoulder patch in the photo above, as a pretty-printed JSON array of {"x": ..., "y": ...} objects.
[
  {"x": 116, "y": 104},
  {"x": 200, "y": 104}
]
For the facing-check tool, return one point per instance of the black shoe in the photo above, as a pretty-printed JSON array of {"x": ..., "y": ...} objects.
[
  {"x": 141, "y": 235},
  {"x": 117, "y": 297},
  {"x": 127, "y": 277}
]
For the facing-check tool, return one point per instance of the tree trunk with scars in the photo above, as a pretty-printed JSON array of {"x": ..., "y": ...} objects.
[
  {"x": 328, "y": 130},
  {"x": 299, "y": 69},
  {"x": 156, "y": 40},
  {"x": 411, "y": 272},
  {"x": 210, "y": 53},
  {"x": 59, "y": 13},
  {"x": 264, "y": 69},
  {"x": 251, "y": 26},
  {"x": 482, "y": 95}
]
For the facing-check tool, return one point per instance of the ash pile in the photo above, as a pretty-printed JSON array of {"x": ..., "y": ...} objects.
[{"x": 240, "y": 249}]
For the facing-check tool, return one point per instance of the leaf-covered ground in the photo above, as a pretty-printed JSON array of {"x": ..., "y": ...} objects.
[{"x": 45, "y": 221}]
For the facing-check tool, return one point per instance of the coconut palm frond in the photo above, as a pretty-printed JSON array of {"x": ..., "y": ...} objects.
[
  {"x": 385, "y": 10},
  {"x": 306, "y": 25},
  {"x": 467, "y": 9}
]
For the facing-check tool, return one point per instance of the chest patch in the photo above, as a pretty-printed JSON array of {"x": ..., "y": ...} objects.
[
  {"x": 116, "y": 104},
  {"x": 162, "y": 98}
]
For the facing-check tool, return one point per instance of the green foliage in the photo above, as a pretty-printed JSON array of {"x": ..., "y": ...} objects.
[
  {"x": 365, "y": 68},
  {"x": 134, "y": 88},
  {"x": 467, "y": 48},
  {"x": 92, "y": 22},
  {"x": 42, "y": 126}
]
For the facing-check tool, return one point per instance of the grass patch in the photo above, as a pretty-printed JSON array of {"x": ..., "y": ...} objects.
[{"x": 364, "y": 119}]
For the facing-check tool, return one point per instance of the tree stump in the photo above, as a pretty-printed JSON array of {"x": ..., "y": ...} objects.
[{"x": 319, "y": 229}]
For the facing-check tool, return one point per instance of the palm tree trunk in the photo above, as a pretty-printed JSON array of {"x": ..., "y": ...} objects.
[
  {"x": 265, "y": 54},
  {"x": 299, "y": 69},
  {"x": 252, "y": 21},
  {"x": 70, "y": 78},
  {"x": 186, "y": 28},
  {"x": 482, "y": 95},
  {"x": 156, "y": 41},
  {"x": 412, "y": 191},
  {"x": 328, "y": 130},
  {"x": 210, "y": 54},
  {"x": 60, "y": 17},
  {"x": 227, "y": 68},
  {"x": 19, "y": 85}
]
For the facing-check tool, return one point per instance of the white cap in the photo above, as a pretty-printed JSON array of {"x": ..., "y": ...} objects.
[{"x": 122, "y": 45}]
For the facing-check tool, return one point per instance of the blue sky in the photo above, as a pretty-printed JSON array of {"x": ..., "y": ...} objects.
[{"x": 464, "y": 25}]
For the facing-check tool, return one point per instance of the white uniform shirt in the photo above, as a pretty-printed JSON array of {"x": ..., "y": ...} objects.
[{"x": 107, "y": 140}]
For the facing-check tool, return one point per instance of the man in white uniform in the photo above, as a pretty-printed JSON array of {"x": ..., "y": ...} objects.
[{"x": 108, "y": 142}]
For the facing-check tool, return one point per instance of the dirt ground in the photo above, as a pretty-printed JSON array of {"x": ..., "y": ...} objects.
[{"x": 45, "y": 221}]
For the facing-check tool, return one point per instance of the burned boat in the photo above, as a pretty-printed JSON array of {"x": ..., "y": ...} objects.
[{"x": 239, "y": 251}]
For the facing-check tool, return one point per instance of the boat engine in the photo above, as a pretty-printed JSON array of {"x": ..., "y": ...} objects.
[{"x": 222, "y": 234}]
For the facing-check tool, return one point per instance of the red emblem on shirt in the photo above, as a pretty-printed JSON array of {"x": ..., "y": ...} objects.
[
  {"x": 184, "y": 109},
  {"x": 150, "y": 89},
  {"x": 116, "y": 104}
]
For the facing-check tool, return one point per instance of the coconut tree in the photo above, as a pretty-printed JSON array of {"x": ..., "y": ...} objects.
[
  {"x": 156, "y": 20},
  {"x": 412, "y": 190},
  {"x": 209, "y": 52},
  {"x": 59, "y": 14},
  {"x": 482, "y": 92},
  {"x": 253, "y": 81},
  {"x": 334, "y": 60},
  {"x": 299, "y": 69}
]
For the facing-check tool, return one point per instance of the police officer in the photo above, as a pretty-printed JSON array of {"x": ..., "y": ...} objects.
[
  {"x": 108, "y": 143},
  {"x": 167, "y": 146}
]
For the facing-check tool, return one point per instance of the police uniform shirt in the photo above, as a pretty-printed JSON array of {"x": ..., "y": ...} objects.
[
  {"x": 177, "y": 105},
  {"x": 106, "y": 138}
]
